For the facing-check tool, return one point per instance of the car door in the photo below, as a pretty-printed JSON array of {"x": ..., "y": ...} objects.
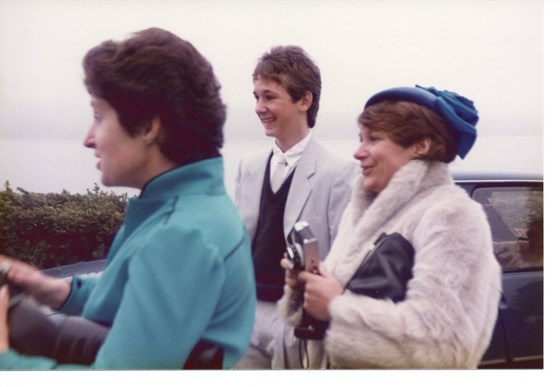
[{"x": 515, "y": 213}]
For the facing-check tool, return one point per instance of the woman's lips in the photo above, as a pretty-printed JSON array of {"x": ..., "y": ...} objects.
[{"x": 366, "y": 170}]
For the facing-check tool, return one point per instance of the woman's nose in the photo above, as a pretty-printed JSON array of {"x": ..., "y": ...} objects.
[
  {"x": 359, "y": 153},
  {"x": 89, "y": 141}
]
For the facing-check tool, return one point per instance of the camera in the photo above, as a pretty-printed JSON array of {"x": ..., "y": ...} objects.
[
  {"x": 16, "y": 293},
  {"x": 302, "y": 247},
  {"x": 303, "y": 254}
]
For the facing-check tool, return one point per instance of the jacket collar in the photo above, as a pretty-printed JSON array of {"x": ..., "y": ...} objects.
[
  {"x": 206, "y": 176},
  {"x": 160, "y": 194}
]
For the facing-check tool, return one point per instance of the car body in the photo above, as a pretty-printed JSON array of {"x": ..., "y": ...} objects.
[{"x": 514, "y": 205}]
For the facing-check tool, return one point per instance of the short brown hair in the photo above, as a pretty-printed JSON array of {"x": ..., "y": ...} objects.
[
  {"x": 291, "y": 67},
  {"x": 406, "y": 123},
  {"x": 153, "y": 74}
]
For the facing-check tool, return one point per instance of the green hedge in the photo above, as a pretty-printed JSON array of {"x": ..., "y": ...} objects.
[{"x": 54, "y": 229}]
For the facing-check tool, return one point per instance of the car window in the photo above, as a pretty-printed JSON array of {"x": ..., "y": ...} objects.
[{"x": 516, "y": 218}]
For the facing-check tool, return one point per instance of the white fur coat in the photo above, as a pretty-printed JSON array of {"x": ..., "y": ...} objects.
[{"x": 451, "y": 305}]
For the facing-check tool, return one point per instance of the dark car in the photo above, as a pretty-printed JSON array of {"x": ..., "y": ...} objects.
[{"x": 514, "y": 206}]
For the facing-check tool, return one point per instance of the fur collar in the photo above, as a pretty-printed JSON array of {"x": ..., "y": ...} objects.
[{"x": 367, "y": 213}]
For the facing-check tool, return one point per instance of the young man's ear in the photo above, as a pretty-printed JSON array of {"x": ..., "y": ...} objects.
[{"x": 306, "y": 101}]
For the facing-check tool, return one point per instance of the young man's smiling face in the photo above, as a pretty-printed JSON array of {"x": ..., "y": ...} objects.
[{"x": 282, "y": 118}]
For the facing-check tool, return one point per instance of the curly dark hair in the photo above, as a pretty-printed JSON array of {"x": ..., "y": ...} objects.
[
  {"x": 154, "y": 73},
  {"x": 291, "y": 67}
]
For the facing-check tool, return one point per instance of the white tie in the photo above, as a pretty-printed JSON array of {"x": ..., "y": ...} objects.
[{"x": 278, "y": 177}]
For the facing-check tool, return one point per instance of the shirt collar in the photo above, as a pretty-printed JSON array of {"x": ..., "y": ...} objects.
[{"x": 293, "y": 154}]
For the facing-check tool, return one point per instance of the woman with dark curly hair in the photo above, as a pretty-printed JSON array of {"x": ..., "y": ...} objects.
[
  {"x": 179, "y": 280},
  {"x": 411, "y": 280}
]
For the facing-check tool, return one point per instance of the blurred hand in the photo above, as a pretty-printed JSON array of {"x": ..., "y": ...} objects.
[
  {"x": 320, "y": 290},
  {"x": 4, "y": 332},
  {"x": 46, "y": 290}
]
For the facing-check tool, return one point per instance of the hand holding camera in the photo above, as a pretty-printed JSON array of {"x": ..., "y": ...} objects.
[
  {"x": 303, "y": 250},
  {"x": 303, "y": 255}
]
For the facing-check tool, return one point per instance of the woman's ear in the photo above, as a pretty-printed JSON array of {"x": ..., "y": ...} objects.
[
  {"x": 422, "y": 147},
  {"x": 152, "y": 131}
]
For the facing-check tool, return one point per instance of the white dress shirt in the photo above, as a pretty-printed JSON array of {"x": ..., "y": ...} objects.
[{"x": 291, "y": 156}]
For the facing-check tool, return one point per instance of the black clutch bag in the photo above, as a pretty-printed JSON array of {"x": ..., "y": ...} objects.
[{"x": 386, "y": 270}]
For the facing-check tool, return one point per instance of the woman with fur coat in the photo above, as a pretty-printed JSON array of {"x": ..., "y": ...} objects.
[{"x": 449, "y": 304}]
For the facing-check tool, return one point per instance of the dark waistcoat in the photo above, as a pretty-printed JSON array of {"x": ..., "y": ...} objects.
[{"x": 269, "y": 244}]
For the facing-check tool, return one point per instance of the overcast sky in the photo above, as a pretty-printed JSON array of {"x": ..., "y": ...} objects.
[{"x": 491, "y": 51}]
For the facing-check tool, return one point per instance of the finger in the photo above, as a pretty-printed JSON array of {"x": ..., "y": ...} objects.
[
  {"x": 4, "y": 330},
  {"x": 285, "y": 263},
  {"x": 305, "y": 276},
  {"x": 5, "y": 258},
  {"x": 324, "y": 272},
  {"x": 21, "y": 273},
  {"x": 4, "y": 301}
]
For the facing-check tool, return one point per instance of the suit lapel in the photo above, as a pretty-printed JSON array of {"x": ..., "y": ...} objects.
[
  {"x": 252, "y": 193},
  {"x": 301, "y": 185}
]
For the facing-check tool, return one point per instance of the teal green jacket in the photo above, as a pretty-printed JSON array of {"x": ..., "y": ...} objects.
[{"x": 179, "y": 270}]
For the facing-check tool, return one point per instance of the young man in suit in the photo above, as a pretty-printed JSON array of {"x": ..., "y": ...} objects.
[{"x": 314, "y": 186}]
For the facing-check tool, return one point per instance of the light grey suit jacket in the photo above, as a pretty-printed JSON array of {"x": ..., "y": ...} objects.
[{"x": 319, "y": 192}]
